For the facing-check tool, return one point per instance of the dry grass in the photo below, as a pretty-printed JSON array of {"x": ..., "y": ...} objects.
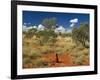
[{"x": 33, "y": 53}]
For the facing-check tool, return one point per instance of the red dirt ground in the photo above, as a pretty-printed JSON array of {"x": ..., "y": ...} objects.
[{"x": 64, "y": 59}]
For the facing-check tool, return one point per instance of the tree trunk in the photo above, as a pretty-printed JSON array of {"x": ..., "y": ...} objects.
[{"x": 57, "y": 60}]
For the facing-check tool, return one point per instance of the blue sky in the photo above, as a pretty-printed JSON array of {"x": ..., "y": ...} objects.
[{"x": 31, "y": 18}]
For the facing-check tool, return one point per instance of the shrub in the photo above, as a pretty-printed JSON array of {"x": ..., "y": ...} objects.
[
  {"x": 26, "y": 60},
  {"x": 59, "y": 50},
  {"x": 79, "y": 60},
  {"x": 86, "y": 51},
  {"x": 80, "y": 48},
  {"x": 45, "y": 49},
  {"x": 78, "y": 54},
  {"x": 40, "y": 63},
  {"x": 35, "y": 54},
  {"x": 26, "y": 51}
]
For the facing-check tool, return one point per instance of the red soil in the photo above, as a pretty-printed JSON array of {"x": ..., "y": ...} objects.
[{"x": 64, "y": 60}]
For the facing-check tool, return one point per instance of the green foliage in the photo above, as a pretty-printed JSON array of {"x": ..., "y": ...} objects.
[
  {"x": 26, "y": 51},
  {"x": 66, "y": 35},
  {"x": 30, "y": 33},
  {"x": 49, "y": 23},
  {"x": 79, "y": 60},
  {"x": 40, "y": 63},
  {"x": 46, "y": 36},
  {"x": 59, "y": 50},
  {"x": 81, "y": 34},
  {"x": 45, "y": 49},
  {"x": 26, "y": 60},
  {"x": 35, "y": 54}
]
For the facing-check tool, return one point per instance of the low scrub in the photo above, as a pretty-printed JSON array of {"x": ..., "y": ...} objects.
[
  {"x": 40, "y": 63},
  {"x": 35, "y": 54}
]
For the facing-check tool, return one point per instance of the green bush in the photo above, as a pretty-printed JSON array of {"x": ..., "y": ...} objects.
[
  {"x": 80, "y": 60},
  {"x": 59, "y": 50},
  {"x": 26, "y": 60},
  {"x": 35, "y": 54},
  {"x": 80, "y": 48},
  {"x": 86, "y": 52},
  {"x": 81, "y": 34},
  {"x": 45, "y": 49},
  {"x": 40, "y": 63},
  {"x": 26, "y": 51}
]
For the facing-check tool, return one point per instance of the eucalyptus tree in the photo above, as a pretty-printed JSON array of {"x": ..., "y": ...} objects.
[
  {"x": 49, "y": 22},
  {"x": 81, "y": 34}
]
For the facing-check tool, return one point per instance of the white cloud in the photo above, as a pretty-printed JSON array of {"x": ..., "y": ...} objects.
[
  {"x": 30, "y": 27},
  {"x": 25, "y": 24},
  {"x": 69, "y": 30},
  {"x": 35, "y": 27},
  {"x": 75, "y": 20},
  {"x": 40, "y": 27},
  {"x": 60, "y": 29},
  {"x": 24, "y": 28},
  {"x": 72, "y": 25}
]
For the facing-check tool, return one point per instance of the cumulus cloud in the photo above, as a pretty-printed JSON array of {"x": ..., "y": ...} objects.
[
  {"x": 24, "y": 28},
  {"x": 30, "y": 27},
  {"x": 71, "y": 25},
  {"x": 60, "y": 29},
  {"x": 40, "y": 27},
  {"x": 35, "y": 27},
  {"x": 75, "y": 20}
]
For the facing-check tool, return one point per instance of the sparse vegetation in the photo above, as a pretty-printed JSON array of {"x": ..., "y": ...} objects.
[
  {"x": 81, "y": 35},
  {"x": 45, "y": 48}
]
